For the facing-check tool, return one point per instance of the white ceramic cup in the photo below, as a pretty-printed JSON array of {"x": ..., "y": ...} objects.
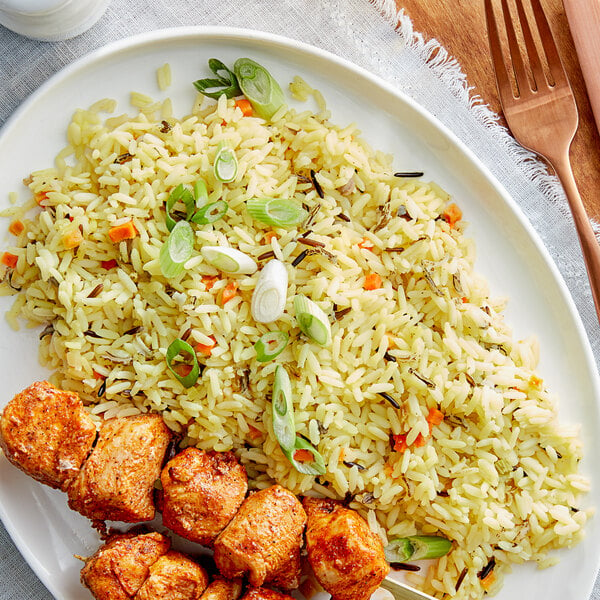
[{"x": 51, "y": 20}]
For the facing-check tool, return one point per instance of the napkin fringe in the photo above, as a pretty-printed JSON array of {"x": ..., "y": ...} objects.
[{"x": 448, "y": 69}]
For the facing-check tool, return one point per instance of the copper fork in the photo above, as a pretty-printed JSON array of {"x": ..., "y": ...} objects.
[{"x": 541, "y": 113}]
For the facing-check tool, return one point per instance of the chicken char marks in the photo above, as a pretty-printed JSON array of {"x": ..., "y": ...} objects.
[
  {"x": 263, "y": 540},
  {"x": 345, "y": 555}
]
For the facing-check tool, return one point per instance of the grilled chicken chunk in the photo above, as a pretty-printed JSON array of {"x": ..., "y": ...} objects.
[
  {"x": 263, "y": 540},
  {"x": 223, "y": 589},
  {"x": 174, "y": 576},
  {"x": 202, "y": 491},
  {"x": 265, "y": 594},
  {"x": 346, "y": 556},
  {"x": 119, "y": 568},
  {"x": 116, "y": 483},
  {"x": 45, "y": 432}
]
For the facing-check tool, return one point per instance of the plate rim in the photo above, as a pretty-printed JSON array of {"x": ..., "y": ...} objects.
[{"x": 244, "y": 35}]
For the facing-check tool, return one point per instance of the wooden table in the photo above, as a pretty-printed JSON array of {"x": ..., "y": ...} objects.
[{"x": 459, "y": 25}]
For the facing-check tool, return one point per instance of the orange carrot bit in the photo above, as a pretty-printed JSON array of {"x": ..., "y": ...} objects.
[
  {"x": 435, "y": 416},
  {"x": 72, "y": 239},
  {"x": 452, "y": 215},
  {"x": 342, "y": 453},
  {"x": 372, "y": 282},
  {"x": 99, "y": 376},
  {"x": 245, "y": 106},
  {"x": 388, "y": 469},
  {"x": 229, "y": 292},
  {"x": 126, "y": 231},
  {"x": 209, "y": 282},
  {"x": 16, "y": 227},
  {"x": 366, "y": 243},
  {"x": 206, "y": 349},
  {"x": 303, "y": 455},
  {"x": 183, "y": 370},
  {"x": 109, "y": 264},
  {"x": 254, "y": 433},
  {"x": 420, "y": 441},
  {"x": 40, "y": 198},
  {"x": 536, "y": 382},
  {"x": 268, "y": 237},
  {"x": 464, "y": 299},
  {"x": 400, "y": 444},
  {"x": 10, "y": 260},
  {"x": 488, "y": 580}
]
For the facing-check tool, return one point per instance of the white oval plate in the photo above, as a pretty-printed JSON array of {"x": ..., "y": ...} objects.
[{"x": 510, "y": 256}]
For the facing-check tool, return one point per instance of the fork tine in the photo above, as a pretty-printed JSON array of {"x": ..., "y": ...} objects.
[
  {"x": 515, "y": 52},
  {"x": 557, "y": 69},
  {"x": 502, "y": 78},
  {"x": 534, "y": 58}
]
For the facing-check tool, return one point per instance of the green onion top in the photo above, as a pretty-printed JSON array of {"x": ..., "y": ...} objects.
[
  {"x": 284, "y": 426},
  {"x": 179, "y": 347},
  {"x": 225, "y": 167},
  {"x": 179, "y": 194},
  {"x": 264, "y": 93},
  {"x": 312, "y": 320},
  {"x": 224, "y": 82},
  {"x": 177, "y": 249},
  {"x": 417, "y": 547},
  {"x": 314, "y": 467},
  {"x": 270, "y": 345},
  {"x": 210, "y": 213},
  {"x": 280, "y": 212}
]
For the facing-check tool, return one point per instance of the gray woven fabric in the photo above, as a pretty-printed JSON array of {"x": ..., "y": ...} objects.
[{"x": 357, "y": 31}]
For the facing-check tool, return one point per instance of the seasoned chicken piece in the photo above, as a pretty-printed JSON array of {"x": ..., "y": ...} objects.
[
  {"x": 174, "y": 576},
  {"x": 45, "y": 432},
  {"x": 119, "y": 568},
  {"x": 346, "y": 556},
  {"x": 263, "y": 540},
  {"x": 116, "y": 483},
  {"x": 223, "y": 589},
  {"x": 265, "y": 594},
  {"x": 202, "y": 491}
]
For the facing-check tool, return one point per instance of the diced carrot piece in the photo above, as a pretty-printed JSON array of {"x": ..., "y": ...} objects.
[
  {"x": 245, "y": 106},
  {"x": 72, "y": 239},
  {"x": 126, "y": 231},
  {"x": 389, "y": 469},
  {"x": 342, "y": 453},
  {"x": 488, "y": 580},
  {"x": 229, "y": 292},
  {"x": 303, "y": 455},
  {"x": 10, "y": 260},
  {"x": 366, "y": 243},
  {"x": 253, "y": 432},
  {"x": 183, "y": 370},
  {"x": 536, "y": 382},
  {"x": 206, "y": 349},
  {"x": 99, "y": 375},
  {"x": 420, "y": 441},
  {"x": 268, "y": 237},
  {"x": 109, "y": 264},
  {"x": 372, "y": 282},
  {"x": 435, "y": 416},
  {"x": 40, "y": 197},
  {"x": 464, "y": 299},
  {"x": 16, "y": 227},
  {"x": 400, "y": 444},
  {"x": 209, "y": 281},
  {"x": 452, "y": 215}
]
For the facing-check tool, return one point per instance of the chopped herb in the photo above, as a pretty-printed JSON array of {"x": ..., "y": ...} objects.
[
  {"x": 225, "y": 82},
  {"x": 318, "y": 188},
  {"x": 391, "y": 400}
]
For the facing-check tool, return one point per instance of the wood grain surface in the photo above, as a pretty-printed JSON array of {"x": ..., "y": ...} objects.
[{"x": 459, "y": 25}]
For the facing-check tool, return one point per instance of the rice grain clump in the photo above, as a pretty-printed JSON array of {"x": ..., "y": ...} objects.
[{"x": 474, "y": 452}]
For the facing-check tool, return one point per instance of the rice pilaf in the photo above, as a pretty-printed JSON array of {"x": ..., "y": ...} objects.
[{"x": 497, "y": 474}]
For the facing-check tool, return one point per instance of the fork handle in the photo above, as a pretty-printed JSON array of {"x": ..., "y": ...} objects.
[{"x": 587, "y": 238}]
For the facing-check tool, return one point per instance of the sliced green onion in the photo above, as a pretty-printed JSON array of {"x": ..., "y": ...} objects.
[
  {"x": 229, "y": 260},
  {"x": 225, "y": 82},
  {"x": 211, "y": 212},
  {"x": 283, "y": 410},
  {"x": 417, "y": 547},
  {"x": 200, "y": 193},
  {"x": 270, "y": 345},
  {"x": 270, "y": 294},
  {"x": 226, "y": 164},
  {"x": 179, "y": 194},
  {"x": 316, "y": 467},
  {"x": 279, "y": 212},
  {"x": 176, "y": 348},
  {"x": 177, "y": 250},
  {"x": 264, "y": 93},
  {"x": 312, "y": 320}
]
